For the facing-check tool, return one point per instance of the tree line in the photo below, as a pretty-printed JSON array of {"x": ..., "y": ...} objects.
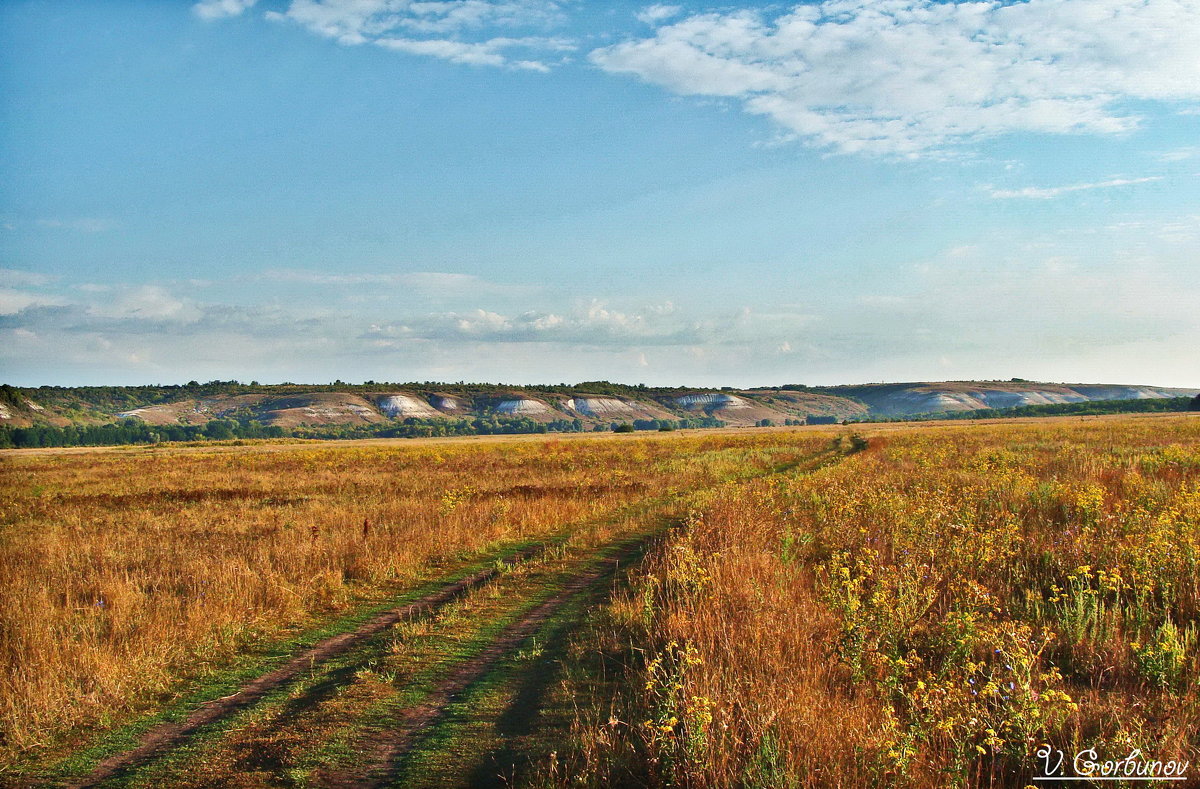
[{"x": 135, "y": 431}]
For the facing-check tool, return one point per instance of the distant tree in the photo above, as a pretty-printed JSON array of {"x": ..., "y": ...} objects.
[
  {"x": 1195, "y": 404},
  {"x": 220, "y": 430},
  {"x": 624, "y": 427}
]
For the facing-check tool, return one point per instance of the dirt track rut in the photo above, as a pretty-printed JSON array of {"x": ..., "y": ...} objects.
[
  {"x": 381, "y": 756},
  {"x": 168, "y": 735}
]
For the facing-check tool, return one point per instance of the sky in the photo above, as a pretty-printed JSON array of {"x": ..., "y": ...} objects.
[{"x": 542, "y": 191}]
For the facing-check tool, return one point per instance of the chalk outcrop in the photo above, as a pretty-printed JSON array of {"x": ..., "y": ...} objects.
[
  {"x": 522, "y": 407},
  {"x": 711, "y": 401},
  {"x": 450, "y": 405},
  {"x": 601, "y": 407},
  {"x": 404, "y": 406}
]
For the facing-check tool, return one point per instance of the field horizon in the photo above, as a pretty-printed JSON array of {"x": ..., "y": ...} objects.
[{"x": 508, "y": 587}]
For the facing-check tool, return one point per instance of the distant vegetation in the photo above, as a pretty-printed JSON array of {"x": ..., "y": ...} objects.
[
  {"x": 131, "y": 431},
  {"x": 1091, "y": 408},
  {"x": 134, "y": 431}
]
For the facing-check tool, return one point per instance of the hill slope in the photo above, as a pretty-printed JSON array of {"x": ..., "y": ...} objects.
[
  {"x": 951, "y": 396},
  {"x": 586, "y": 406}
]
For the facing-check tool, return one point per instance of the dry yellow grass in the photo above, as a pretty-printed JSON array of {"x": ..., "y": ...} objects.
[
  {"x": 924, "y": 613},
  {"x": 124, "y": 571}
]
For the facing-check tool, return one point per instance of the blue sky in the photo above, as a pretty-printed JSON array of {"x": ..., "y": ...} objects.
[{"x": 542, "y": 191}]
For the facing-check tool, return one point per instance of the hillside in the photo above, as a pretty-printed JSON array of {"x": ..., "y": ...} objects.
[
  {"x": 293, "y": 405},
  {"x": 431, "y": 408},
  {"x": 951, "y": 396}
]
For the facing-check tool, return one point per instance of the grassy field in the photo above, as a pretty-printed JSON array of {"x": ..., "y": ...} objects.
[
  {"x": 127, "y": 573},
  {"x": 927, "y": 612},
  {"x": 915, "y": 606}
]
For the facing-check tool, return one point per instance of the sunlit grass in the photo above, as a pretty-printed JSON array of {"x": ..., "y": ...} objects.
[
  {"x": 123, "y": 573},
  {"x": 926, "y": 612}
]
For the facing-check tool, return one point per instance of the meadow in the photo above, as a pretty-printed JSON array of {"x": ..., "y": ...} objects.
[
  {"x": 928, "y": 612},
  {"x": 124, "y": 573},
  {"x": 909, "y": 606}
]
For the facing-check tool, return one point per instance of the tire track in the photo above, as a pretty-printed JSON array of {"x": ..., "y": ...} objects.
[
  {"x": 171, "y": 734},
  {"x": 382, "y": 756}
]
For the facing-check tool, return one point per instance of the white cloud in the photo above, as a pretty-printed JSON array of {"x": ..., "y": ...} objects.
[
  {"x": 13, "y": 301},
  {"x": 220, "y": 9},
  {"x": 11, "y": 277},
  {"x": 653, "y": 14},
  {"x": 1178, "y": 155},
  {"x": 451, "y": 30},
  {"x": 593, "y": 324},
  {"x": 146, "y": 302},
  {"x": 482, "y": 53},
  {"x": 903, "y": 77},
  {"x": 1047, "y": 193}
]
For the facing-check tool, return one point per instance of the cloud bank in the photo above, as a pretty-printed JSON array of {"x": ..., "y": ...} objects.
[
  {"x": 461, "y": 32},
  {"x": 885, "y": 77},
  {"x": 906, "y": 77}
]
